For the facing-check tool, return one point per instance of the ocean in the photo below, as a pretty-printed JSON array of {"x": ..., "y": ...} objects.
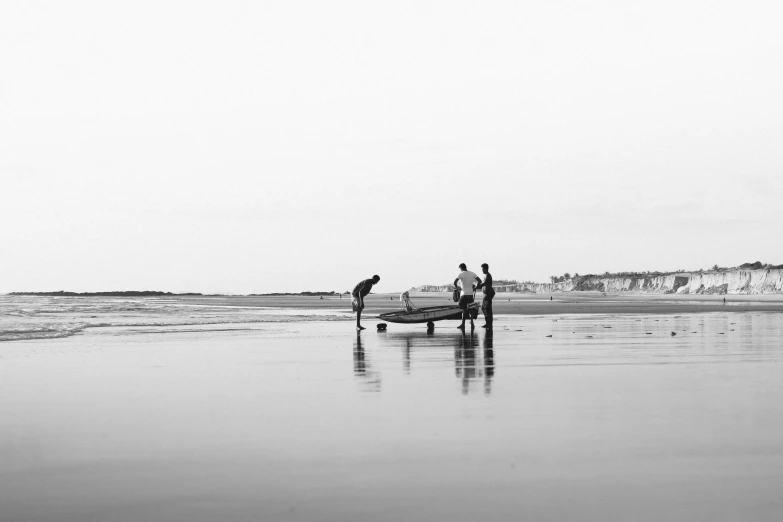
[{"x": 42, "y": 317}]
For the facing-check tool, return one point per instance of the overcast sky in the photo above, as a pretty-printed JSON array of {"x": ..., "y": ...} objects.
[{"x": 287, "y": 146}]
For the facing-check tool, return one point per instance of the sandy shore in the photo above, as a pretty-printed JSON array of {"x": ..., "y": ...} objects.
[{"x": 532, "y": 304}]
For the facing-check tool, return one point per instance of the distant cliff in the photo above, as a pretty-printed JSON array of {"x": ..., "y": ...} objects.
[{"x": 732, "y": 281}]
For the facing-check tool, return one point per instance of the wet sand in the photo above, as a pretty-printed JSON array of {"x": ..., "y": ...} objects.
[
  {"x": 611, "y": 418},
  {"x": 530, "y": 304}
]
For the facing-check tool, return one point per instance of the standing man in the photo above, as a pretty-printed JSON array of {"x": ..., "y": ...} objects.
[
  {"x": 489, "y": 293},
  {"x": 359, "y": 291},
  {"x": 467, "y": 278}
]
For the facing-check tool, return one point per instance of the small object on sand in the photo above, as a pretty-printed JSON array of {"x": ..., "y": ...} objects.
[
  {"x": 720, "y": 333},
  {"x": 549, "y": 336},
  {"x": 381, "y": 326},
  {"x": 647, "y": 333},
  {"x": 674, "y": 333}
]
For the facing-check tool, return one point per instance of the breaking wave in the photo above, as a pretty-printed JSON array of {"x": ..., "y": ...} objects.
[
  {"x": 52, "y": 331},
  {"x": 31, "y": 318}
]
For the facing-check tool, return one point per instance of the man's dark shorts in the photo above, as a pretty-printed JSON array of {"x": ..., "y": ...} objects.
[{"x": 464, "y": 301}]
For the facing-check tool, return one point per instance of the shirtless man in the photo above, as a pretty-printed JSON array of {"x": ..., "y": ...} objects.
[
  {"x": 466, "y": 278},
  {"x": 359, "y": 291},
  {"x": 489, "y": 293}
]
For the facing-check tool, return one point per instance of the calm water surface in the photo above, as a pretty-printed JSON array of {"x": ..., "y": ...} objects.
[{"x": 611, "y": 418}]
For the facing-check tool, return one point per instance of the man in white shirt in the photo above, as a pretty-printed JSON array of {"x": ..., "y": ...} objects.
[{"x": 466, "y": 278}]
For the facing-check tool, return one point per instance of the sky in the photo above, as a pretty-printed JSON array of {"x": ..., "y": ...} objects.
[{"x": 249, "y": 147}]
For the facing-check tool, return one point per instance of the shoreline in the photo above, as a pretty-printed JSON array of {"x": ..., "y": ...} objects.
[
  {"x": 524, "y": 304},
  {"x": 40, "y": 318}
]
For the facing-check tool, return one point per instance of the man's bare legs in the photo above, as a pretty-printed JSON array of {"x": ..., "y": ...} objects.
[
  {"x": 359, "y": 321},
  {"x": 465, "y": 315}
]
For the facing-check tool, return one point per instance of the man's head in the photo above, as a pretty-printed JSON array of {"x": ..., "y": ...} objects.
[
  {"x": 484, "y": 267},
  {"x": 463, "y": 266},
  {"x": 375, "y": 279}
]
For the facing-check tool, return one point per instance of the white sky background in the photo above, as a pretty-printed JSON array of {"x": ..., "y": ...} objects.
[{"x": 288, "y": 146}]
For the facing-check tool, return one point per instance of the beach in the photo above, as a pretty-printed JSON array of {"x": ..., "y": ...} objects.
[
  {"x": 585, "y": 407},
  {"x": 519, "y": 303}
]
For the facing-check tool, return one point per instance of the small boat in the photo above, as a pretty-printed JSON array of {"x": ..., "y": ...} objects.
[{"x": 427, "y": 315}]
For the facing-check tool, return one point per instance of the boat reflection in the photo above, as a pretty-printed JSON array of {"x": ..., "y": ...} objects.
[{"x": 473, "y": 355}]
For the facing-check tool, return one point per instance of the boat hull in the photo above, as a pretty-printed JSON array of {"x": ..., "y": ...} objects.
[{"x": 426, "y": 315}]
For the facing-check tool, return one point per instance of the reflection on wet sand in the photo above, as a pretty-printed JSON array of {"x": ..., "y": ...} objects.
[
  {"x": 406, "y": 357},
  {"x": 465, "y": 360},
  {"x": 474, "y": 359},
  {"x": 489, "y": 362},
  {"x": 362, "y": 369}
]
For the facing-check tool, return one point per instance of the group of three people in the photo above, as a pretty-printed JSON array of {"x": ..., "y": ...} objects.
[{"x": 467, "y": 282}]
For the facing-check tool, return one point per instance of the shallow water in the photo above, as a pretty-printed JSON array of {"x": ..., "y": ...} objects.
[
  {"x": 611, "y": 418},
  {"x": 35, "y": 317}
]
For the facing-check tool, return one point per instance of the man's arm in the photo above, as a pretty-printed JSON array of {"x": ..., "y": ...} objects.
[
  {"x": 362, "y": 286},
  {"x": 480, "y": 284},
  {"x": 455, "y": 281}
]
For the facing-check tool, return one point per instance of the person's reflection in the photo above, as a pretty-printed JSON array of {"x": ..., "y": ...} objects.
[
  {"x": 359, "y": 365},
  {"x": 406, "y": 355},
  {"x": 465, "y": 359},
  {"x": 489, "y": 363},
  {"x": 362, "y": 368},
  {"x": 474, "y": 361}
]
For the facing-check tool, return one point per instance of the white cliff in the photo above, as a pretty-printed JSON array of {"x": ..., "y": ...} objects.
[{"x": 733, "y": 281}]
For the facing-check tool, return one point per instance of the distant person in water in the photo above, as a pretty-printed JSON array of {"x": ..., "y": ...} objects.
[
  {"x": 359, "y": 291},
  {"x": 489, "y": 293},
  {"x": 466, "y": 278}
]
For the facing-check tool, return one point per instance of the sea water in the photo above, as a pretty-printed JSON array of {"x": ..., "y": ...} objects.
[
  {"x": 611, "y": 418},
  {"x": 51, "y": 317}
]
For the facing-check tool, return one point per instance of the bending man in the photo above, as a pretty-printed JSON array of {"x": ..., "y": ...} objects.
[
  {"x": 466, "y": 278},
  {"x": 359, "y": 291}
]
